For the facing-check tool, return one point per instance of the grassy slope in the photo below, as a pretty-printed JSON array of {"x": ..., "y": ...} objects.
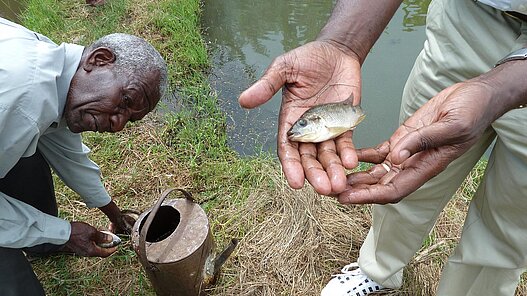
[
  {"x": 188, "y": 149},
  {"x": 184, "y": 149}
]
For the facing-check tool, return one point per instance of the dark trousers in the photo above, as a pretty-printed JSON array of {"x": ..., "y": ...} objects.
[{"x": 29, "y": 181}]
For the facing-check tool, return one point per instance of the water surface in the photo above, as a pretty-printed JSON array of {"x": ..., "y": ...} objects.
[
  {"x": 10, "y": 9},
  {"x": 245, "y": 36}
]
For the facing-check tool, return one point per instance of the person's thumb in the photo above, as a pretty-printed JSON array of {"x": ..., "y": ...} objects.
[
  {"x": 263, "y": 89},
  {"x": 431, "y": 136}
]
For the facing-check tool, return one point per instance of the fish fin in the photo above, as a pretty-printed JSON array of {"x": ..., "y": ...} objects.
[
  {"x": 361, "y": 118},
  {"x": 349, "y": 100},
  {"x": 337, "y": 131}
]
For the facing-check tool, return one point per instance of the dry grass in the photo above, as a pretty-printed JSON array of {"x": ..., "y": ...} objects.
[
  {"x": 294, "y": 240},
  {"x": 297, "y": 239},
  {"x": 291, "y": 241}
]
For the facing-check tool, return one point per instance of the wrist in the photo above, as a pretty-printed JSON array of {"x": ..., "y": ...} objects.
[
  {"x": 356, "y": 25},
  {"x": 112, "y": 211},
  {"x": 507, "y": 84}
]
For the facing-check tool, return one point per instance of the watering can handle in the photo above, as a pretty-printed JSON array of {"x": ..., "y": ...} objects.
[{"x": 149, "y": 219}]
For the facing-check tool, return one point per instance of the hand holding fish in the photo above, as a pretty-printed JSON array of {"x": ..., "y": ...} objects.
[
  {"x": 121, "y": 221},
  {"x": 85, "y": 240},
  {"x": 436, "y": 134},
  {"x": 316, "y": 73}
]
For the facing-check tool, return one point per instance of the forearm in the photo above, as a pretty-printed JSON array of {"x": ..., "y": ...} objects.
[
  {"x": 112, "y": 211},
  {"x": 68, "y": 157},
  {"x": 508, "y": 86},
  {"x": 357, "y": 24}
]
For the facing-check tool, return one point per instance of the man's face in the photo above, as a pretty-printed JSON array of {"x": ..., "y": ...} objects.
[{"x": 100, "y": 101}]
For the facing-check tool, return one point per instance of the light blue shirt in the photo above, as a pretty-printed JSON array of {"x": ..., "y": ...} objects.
[
  {"x": 35, "y": 76},
  {"x": 508, "y": 5}
]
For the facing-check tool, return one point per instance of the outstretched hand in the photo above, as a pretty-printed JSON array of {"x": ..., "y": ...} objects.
[
  {"x": 316, "y": 73},
  {"x": 436, "y": 134}
]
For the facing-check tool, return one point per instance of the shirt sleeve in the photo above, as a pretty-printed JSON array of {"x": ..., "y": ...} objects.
[
  {"x": 22, "y": 225},
  {"x": 68, "y": 157}
]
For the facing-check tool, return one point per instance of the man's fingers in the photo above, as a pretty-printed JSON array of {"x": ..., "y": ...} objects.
[
  {"x": 374, "y": 155},
  {"x": 104, "y": 252},
  {"x": 424, "y": 138},
  {"x": 378, "y": 194},
  {"x": 291, "y": 163},
  {"x": 393, "y": 185},
  {"x": 106, "y": 243},
  {"x": 332, "y": 164},
  {"x": 263, "y": 89},
  {"x": 346, "y": 150},
  {"x": 372, "y": 176},
  {"x": 315, "y": 173}
]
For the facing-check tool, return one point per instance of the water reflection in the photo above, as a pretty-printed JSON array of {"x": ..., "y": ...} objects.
[
  {"x": 10, "y": 9},
  {"x": 245, "y": 36},
  {"x": 414, "y": 14}
]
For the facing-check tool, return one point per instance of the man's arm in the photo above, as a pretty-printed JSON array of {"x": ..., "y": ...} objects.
[
  {"x": 22, "y": 225},
  {"x": 357, "y": 24},
  {"x": 68, "y": 157},
  {"x": 424, "y": 145}
]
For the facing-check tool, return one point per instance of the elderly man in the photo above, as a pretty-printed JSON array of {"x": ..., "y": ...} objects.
[{"x": 49, "y": 94}]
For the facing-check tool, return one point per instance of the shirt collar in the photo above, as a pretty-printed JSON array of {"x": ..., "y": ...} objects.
[{"x": 72, "y": 58}]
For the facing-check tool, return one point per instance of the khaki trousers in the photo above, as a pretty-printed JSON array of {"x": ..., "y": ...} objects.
[{"x": 464, "y": 39}]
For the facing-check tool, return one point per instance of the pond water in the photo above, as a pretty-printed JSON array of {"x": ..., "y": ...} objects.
[
  {"x": 9, "y": 9},
  {"x": 245, "y": 36}
]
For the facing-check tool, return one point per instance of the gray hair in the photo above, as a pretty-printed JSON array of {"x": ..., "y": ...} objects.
[{"x": 134, "y": 55}]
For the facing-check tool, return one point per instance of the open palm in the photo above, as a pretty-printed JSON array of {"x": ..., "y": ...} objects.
[
  {"x": 436, "y": 134},
  {"x": 315, "y": 73}
]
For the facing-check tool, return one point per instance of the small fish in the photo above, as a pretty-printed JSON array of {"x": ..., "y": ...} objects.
[
  {"x": 115, "y": 240},
  {"x": 326, "y": 121}
]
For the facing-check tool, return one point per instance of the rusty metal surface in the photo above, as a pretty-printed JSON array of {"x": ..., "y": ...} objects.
[
  {"x": 176, "y": 248},
  {"x": 182, "y": 278},
  {"x": 189, "y": 236}
]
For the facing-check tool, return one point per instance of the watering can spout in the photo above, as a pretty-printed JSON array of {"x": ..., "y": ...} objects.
[
  {"x": 213, "y": 266},
  {"x": 224, "y": 255}
]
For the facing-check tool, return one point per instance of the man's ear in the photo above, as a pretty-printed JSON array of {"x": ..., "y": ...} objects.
[{"x": 98, "y": 57}]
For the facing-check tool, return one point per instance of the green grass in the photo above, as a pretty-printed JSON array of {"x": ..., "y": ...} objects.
[
  {"x": 183, "y": 145},
  {"x": 186, "y": 148}
]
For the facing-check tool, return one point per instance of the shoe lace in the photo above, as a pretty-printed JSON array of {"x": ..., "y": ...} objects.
[{"x": 350, "y": 269}]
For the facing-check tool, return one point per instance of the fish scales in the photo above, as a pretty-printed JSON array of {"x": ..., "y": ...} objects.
[{"x": 326, "y": 121}]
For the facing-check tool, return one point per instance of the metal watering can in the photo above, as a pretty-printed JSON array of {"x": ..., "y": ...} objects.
[{"x": 175, "y": 246}]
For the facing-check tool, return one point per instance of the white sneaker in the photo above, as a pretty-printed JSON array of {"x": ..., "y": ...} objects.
[{"x": 351, "y": 282}]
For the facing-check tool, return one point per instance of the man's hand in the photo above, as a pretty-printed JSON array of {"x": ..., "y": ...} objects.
[
  {"x": 436, "y": 134},
  {"x": 316, "y": 73},
  {"x": 84, "y": 239},
  {"x": 120, "y": 224}
]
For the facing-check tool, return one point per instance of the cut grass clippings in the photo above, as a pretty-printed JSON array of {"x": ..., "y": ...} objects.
[{"x": 291, "y": 241}]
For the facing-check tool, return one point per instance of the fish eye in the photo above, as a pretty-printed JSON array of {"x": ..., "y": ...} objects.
[{"x": 302, "y": 122}]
